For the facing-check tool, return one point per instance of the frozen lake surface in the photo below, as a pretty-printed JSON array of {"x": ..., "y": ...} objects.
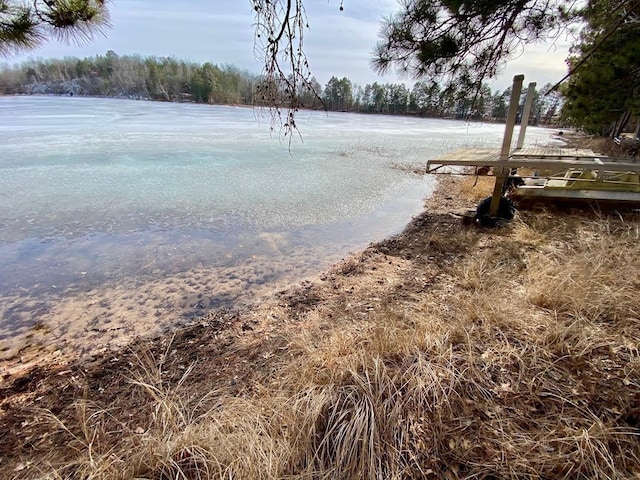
[{"x": 117, "y": 215}]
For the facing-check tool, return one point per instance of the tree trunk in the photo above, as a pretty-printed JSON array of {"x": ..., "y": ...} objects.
[{"x": 622, "y": 123}]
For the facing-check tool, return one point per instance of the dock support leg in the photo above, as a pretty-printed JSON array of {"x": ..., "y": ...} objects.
[
  {"x": 516, "y": 89},
  {"x": 526, "y": 113}
]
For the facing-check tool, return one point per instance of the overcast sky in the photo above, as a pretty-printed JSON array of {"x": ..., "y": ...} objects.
[{"x": 221, "y": 31}]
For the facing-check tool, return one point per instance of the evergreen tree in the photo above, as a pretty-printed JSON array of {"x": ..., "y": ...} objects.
[
  {"x": 338, "y": 94},
  {"x": 604, "y": 92},
  {"x": 425, "y": 96},
  {"x": 25, "y": 25},
  {"x": 464, "y": 41},
  {"x": 458, "y": 43}
]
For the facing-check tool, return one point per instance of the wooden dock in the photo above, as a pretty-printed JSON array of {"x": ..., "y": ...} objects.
[
  {"x": 534, "y": 158},
  {"x": 555, "y": 153},
  {"x": 502, "y": 161}
]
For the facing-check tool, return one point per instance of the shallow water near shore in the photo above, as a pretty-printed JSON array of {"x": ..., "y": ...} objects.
[{"x": 120, "y": 217}]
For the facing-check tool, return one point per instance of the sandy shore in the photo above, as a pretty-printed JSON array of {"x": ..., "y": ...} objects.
[
  {"x": 84, "y": 312},
  {"x": 83, "y": 322},
  {"x": 84, "y": 327},
  {"x": 74, "y": 323}
]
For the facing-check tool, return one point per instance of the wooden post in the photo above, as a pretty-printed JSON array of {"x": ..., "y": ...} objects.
[
  {"x": 524, "y": 121},
  {"x": 516, "y": 89}
]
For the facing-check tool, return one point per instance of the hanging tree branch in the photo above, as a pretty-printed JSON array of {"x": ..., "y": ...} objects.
[
  {"x": 24, "y": 26},
  {"x": 630, "y": 15},
  {"x": 465, "y": 41},
  {"x": 279, "y": 39}
]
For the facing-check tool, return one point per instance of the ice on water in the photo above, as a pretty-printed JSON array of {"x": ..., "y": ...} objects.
[{"x": 105, "y": 185}]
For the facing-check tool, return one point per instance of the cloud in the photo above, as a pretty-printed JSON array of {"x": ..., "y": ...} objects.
[{"x": 540, "y": 63}]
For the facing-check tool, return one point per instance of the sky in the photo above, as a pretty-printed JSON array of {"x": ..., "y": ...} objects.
[{"x": 337, "y": 43}]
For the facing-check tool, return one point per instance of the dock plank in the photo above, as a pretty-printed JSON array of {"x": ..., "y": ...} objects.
[
  {"x": 535, "y": 158},
  {"x": 470, "y": 155},
  {"x": 556, "y": 152}
]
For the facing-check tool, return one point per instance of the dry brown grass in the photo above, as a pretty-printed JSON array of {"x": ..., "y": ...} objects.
[
  {"x": 475, "y": 188},
  {"x": 518, "y": 360}
]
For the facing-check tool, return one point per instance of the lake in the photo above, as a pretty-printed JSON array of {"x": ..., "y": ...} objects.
[{"x": 122, "y": 217}]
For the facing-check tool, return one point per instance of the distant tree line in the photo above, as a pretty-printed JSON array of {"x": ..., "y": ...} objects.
[
  {"x": 130, "y": 76},
  {"x": 169, "y": 79},
  {"x": 428, "y": 99},
  {"x": 452, "y": 46}
]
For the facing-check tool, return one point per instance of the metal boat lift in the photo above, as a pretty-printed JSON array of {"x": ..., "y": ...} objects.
[{"x": 586, "y": 174}]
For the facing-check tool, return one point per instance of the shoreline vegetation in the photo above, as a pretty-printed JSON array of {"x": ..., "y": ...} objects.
[
  {"x": 446, "y": 351},
  {"x": 173, "y": 80}
]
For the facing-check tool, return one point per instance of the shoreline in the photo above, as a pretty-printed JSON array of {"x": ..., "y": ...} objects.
[
  {"x": 39, "y": 356},
  {"x": 495, "y": 373},
  {"x": 268, "y": 108},
  {"x": 114, "y": 314}
]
